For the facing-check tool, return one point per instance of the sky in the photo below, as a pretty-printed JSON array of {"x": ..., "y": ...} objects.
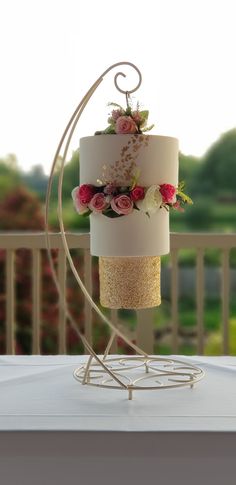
[{"x": 52, "y": 51}]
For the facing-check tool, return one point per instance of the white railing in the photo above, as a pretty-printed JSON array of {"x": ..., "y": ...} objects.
[{"x": 36, "y": 242}]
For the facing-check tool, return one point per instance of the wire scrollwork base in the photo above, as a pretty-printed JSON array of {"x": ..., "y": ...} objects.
[{"x": 140, "y": 373}]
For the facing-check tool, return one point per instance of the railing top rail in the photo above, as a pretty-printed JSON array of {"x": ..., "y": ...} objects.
[
  {"x": 202, "y": 240},
  {"x": 37, "y": 240}
]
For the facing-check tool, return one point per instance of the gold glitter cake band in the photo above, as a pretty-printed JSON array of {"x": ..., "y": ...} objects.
[{"x": 130, "y": 282}]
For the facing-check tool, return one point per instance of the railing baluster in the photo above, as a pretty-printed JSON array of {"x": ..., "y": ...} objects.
[
  {"x": 36, "y": 297},
  {"x": 10, "y": 301},
  {"x": 200, "y": 300},
  {"x": 225, "y": 290},
  {"x": 62, "y": 300},
  {"x": 88, "y": 285},
  {"x": 145, "y": 334},
  {"x": 174, "y": 299}
]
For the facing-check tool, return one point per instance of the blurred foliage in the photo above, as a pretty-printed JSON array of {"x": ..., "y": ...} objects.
[
  {"x": 21, "y": 210},
  {"x": 218, "y": 170},
  {"x": 36, "y": 181},
  {"x": 10, "y": 176},
  {"x": 70, "y": 178},
  {"x": 188, "y": 170},
  {"x": 199, "y": 216},
  {"x": 214, "y": 342}
]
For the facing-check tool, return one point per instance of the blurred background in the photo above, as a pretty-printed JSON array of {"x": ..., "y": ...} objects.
[{"x": 51, "y": 53}]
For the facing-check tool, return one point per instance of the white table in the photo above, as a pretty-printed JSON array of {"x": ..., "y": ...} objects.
[{"x": 53, "y": 430}]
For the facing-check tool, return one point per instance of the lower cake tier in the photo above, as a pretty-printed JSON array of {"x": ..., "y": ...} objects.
[
  {"x": 133, "y": 235},
  {"x": 130, "y": 283}
]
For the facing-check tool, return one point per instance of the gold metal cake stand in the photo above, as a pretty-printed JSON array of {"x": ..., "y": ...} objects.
[{"x": 132, "y": 373}]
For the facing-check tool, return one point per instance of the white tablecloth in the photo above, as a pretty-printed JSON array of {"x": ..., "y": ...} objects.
[{"x": 63, "y": 430}]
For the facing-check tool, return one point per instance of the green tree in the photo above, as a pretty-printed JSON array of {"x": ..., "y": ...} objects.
[
  {"x": 36, "y": 180},
  {"x": 10, "y": 176},
  {"x": 70, "y": 178},
  {"x": 218, "y": 171},
  {"x": 188, "y": 167}
]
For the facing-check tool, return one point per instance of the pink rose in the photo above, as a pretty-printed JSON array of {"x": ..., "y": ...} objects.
[
  {"x": 178, "y": 207},
  {"x": 168, "y": 193},
  {"x": 137, "y": 193},
  {"x": 125, "y": 125},
  {"x": 110, "y": 189},
  {"x": 85, "y": 193},
  {"x": 80, "y": 208},
  {"x": 122, "y": 204},
  {"x": 116, "y": 113},
  {"x": 136, "y": 117},
  {"x": 98, "y": 203}
]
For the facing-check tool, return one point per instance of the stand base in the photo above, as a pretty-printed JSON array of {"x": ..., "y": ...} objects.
[{"x": 138, "y": 373}]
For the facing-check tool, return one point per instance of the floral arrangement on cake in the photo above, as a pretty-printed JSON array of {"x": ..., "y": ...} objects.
[
  {"x": 114, "y": 200},
  {"x": 126, "y": 121}
]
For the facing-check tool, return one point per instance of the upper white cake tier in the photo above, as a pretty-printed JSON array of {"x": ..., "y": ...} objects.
[{"x": 156, "y": 157}]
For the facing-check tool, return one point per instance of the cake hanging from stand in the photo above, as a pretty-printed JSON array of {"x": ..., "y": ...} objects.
[{"x": 128, "y": 184}]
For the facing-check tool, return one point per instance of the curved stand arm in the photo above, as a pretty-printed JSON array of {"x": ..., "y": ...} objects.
[{"x": 69, "y": 133}]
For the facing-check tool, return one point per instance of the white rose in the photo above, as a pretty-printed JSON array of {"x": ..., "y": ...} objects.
[{"x": 152, "y": 200}]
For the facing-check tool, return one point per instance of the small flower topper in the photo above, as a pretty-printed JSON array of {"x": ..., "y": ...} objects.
[
  {"x": 126, "y": 121},
  {"x": 113, "y": 201}
]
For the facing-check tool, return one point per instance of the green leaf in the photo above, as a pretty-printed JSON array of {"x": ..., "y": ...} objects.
[
  {"x": 86, "y": 214},
  {"x": 110, "y": 130},
  {"x": 111, "y": 121},
  {"x": 181, "y": 185},
  {"x": 144, "y": 118},
  {"x": 135, "y": 178},
  {"x": 184, "y": 197},
  {"x": 166, "y": 207},
  {"x": 115, "y": 105},
  {"x": 128, "y": 111},
  {"x": 144, "y": 115},
  {"x": 148, "y": 128},
  {"x": 112, "y": 214}
]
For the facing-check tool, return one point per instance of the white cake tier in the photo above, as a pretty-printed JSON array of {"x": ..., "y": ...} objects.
[
  {"x": 158, "y": 161},
  {"x": 133, "y": 235},
  {"x": 111, "y": 158}
]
